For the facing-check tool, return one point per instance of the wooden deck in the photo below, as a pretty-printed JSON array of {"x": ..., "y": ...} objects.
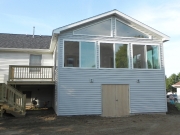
[
  {"x": 33, "y": 75},
  {"x": 31, "y": 82}
]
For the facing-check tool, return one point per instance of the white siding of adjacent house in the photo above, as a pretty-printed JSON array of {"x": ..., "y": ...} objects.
[
  {"x": 178, "y": 94},
  {"x": 17, "y": 58},
  {"x": 77, "y": 96},
  {"x": 55, "y": 100}
]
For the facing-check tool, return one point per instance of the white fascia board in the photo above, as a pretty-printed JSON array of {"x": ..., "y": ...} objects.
[
  {"x": 176, "y": 86},
  {"x": 165, "y": 37},
  {"x": 53, "y": 42},
  {"x": 58, "y": 30},
  {"x": 24, "y": 50}
]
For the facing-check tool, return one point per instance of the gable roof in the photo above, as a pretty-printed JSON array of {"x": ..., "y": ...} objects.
[
  {"x": 20, "y": 41},
  {"x": 115, "y": 12}
]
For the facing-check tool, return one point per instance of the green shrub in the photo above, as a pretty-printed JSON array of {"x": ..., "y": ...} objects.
[{"x": 177, "y": 105}]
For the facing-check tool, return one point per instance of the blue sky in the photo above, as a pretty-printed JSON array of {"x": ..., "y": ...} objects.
[{"x": 19, "y": 17}]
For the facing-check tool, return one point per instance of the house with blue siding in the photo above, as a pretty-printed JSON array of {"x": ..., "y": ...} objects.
[{"x": 109, "y": 65}]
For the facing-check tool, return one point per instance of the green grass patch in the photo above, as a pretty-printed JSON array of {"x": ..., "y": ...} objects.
[{"x": 177, "y": 105}]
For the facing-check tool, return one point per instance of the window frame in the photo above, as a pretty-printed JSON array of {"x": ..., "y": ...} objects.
[
  {"x": 55, "y": 57},
  {"x": 95, "y": 51},
  {"x": 116, "y": 19},
  {"x": 111, "y": 33},
  {"x": 145, "y": 50},
  {"x": 128, "y": 54},
  {"x": 31, "y": 69}
]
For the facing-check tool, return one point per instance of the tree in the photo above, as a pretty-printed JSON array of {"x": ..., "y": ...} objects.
[
  {"x": 121, "y": 57},
  {"x": 170, "y": 81}
]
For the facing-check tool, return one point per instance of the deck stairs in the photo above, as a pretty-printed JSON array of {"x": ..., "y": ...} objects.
[{"x": 12, "y": 101}]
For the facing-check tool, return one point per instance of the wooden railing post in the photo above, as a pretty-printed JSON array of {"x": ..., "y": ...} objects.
[
  {"x": 24, "y": 103},
  {"x": 3, "y": 91},
  {"x": 10, "y": 73},
  {"x": 52, "y": 73}
]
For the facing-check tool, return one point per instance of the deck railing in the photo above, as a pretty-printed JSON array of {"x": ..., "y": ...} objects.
[
  {"x": 30, "y": 72},
  {"x": 12, "y": 97}
]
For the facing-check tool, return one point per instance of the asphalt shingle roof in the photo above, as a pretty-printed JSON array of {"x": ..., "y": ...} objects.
[{"x": 24, "y": 41}]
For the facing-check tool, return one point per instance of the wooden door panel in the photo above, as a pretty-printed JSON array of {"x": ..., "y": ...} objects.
[
  {"x": 122, "y": 100},
  {"x": 115, "y": 100},
  {"x": 108, "y": 100}
]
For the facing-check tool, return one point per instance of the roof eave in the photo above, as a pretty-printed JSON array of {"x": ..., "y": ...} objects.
[
  {"x": 165, "y": 39},
  {"x": 115, "y": 12},
  {"x": 176, "y": 86},
  {"x": 58, "y": 30},
  {"x": 24, "y": 50},
  {"x": 53, "y": 42}
]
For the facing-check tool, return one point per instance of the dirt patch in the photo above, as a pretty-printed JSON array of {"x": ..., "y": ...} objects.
[
  {"x": 45, "y": 122},
  {"x": 172, "y": 109}
]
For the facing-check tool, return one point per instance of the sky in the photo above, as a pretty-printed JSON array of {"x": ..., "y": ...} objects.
[{"x": 19, "y": 17}]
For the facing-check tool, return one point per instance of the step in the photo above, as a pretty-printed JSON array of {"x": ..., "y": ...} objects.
[{"x": 16, "y": 113}]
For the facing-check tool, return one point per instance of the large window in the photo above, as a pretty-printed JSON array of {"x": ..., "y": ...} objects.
[
  {"x": 121, "y": 55},
  {"x": 124, "y": 30},
  {"x": 88, "y": 54},
  {"x": 153, "y": 57},
  {"x": 79, "y": 54},
  {"x": 113, "y": 55},
  {"x": 100, "y": 29},
  {"x": 106, "y": 55},
  {"x": 148, "y": 58},
  {"x": 71, "y": 54},
  {"x": 139, "y": 60}
]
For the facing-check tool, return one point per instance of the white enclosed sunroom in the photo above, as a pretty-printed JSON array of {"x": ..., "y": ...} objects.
[{"x": 109, "y": 65}]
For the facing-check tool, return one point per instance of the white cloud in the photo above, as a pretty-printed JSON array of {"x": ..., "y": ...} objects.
[{"x": 166, "y": 19}]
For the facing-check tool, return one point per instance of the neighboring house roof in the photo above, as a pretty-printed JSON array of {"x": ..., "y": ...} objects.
[
  {"x": 20, "y": 41},
  {"x": 176, "y": 85},
  {"x": 116, "y": 13}
]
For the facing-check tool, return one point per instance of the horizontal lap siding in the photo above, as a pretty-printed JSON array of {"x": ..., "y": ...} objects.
[
  {"x": 56, "y": 82},
  {"x": 7, "y": 59},
  {"x": 77, "y": 96}
]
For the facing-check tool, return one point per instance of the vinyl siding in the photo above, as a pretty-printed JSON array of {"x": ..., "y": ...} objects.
[
  {"x": 55, "y": 94},
  {"x": 77, "y": 96},
  {"x": 9, "y": 58}
]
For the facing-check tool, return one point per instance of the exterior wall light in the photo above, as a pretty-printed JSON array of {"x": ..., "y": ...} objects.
[{"x": 91, "y": 80}]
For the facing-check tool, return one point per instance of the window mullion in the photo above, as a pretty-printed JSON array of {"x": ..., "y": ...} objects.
[
  {"x": 99, "y": 54},
  {"x": 128, "y": 54},
  {"x": 114, "y": 55},
  {"x": 145, "y": 52},
  {"x": 80, "y": 54}
]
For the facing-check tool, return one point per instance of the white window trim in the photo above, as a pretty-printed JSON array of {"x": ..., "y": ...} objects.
[
  {"x": 145, "y": 44},
  {"x": 111, "y": 34},
  {"x": 95, "y": 50},
  {"x": 132, "y": 28},
  {"x": 116, "y": 42},
  {"x": 36, "y": 55}
]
